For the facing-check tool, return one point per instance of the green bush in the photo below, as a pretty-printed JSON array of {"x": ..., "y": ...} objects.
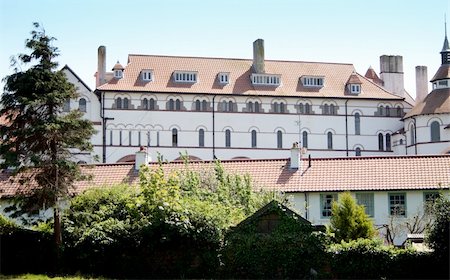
[{"x": 7, "y": 225}]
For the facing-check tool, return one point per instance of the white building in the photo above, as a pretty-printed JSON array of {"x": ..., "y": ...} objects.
[{"x": 240, "y": 108}]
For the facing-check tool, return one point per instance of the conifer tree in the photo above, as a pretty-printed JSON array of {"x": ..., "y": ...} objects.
[
  {"x": 349, "y": 220},
  {"x": 37, "y": 136}
]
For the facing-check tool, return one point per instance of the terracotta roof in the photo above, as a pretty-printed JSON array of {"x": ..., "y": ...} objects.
[
  {"x": 353, "y": 79},
  {"x": 336, "y": 76},
  {"x": 442, "y": 73},
  {"x": 436, "y": 102},
  {"x": 118, "y": 66},
  {"x": 324, "y": 175},
  {"x": 370, "y": 74}
]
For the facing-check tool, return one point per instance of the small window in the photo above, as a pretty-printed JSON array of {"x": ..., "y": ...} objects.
[
  {"x": 223, "y": 78},
  {"x": 149, "y": 138},
  {"x": 145, "y": 104},
  {"x": 330, "y": 140},
  {"x": 326, "y": 201},
  {"x": 130, "y": 137},
  {"x": 204, "y": 105},
  {"x": 253, "y": 138},
  {"x": 332, "y": 110},
  {"x": 230, "y": 106},
  {"x": 380, "y": 142},
  {"x": 358, "y": 152},
  {"x": 197, "y": 105},
  {"x": 227, "y": 138},
  {"x": 428, "y": 200},
  {"x": 66, "y": 106},
  {"x": 381, "y": 111},
  {"x": 307, "y": 109},
  {"x": 367, "y": 200},
  {"x": 157, "y": 138},
  {"x": 82, "y": 105},
  {"x": 125, "y": 103},
  {"x": 151, "y": 104},
  {"x": 171, "y": 104},
  {"x": 388, "y": 111},
  {"x": 174, "y": 137},
  {"x": 412, "y": 134},
  {"x": 185, "y": 77},
  {"x": 119, "y": 103},
  {"x": 357, "y": 124},
  {"x": 355, "y": 88},
  {"x": 118, "y": 74},
  {"x": 326, "y": 109},
  {"x": 305, "y": 139},
  {"x": 399, "y": 111},
  {"x": 279, "y": 139},
  {"x": 139, "y": 138},
  {"x": 250, "y": 107},
  {"x": 388, "y": 142},
  {"x": 111, "y": 137},
  {"x": 178, "y": 105},
  {"x": 147, "y": 75},
  {"x": 397, "y": 204},
  {"x": 265, "y": 79},
  {"x": 282, "y": 108},
  {"x": 120, "y": 137},
  {"x": 201, "y": 138},
  {"x": 256, "y": 107},
  {"x": 435, "y": 132},
  {"x": 301, "y": 109}
]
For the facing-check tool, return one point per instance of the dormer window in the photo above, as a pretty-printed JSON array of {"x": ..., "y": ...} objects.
[
  {"x": 355, "y": 88},
  {"x": 185, "y": 76},
  {"x": 224, "y": 78},
  {"x": 312, "y": 81},
  {"x": 147, "y": 75},
  {"x": 118, "y": 70},
  {"x": 441, "y": 84},
  {"x": 266, "y": 79}
]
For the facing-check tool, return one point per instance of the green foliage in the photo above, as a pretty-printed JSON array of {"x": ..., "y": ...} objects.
[
  {"x": 36, "y": 133},
  {"x": 349, "y": 220},
  {"x": 439, "y": 235},
  {"x": 6, "y": 225}
]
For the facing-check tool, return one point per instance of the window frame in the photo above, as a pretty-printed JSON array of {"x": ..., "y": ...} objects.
[
  {"x": 227, "y": 138},
  {"x": 435, "y": 131},
  {"x": 330, "y": 140},
  {"x": 357, "y": 124},
  {"x": 254, "y": 138},
  {"x": 326, "y": 203},
  {"x": 174, "y": 137},
  {"x": 403, "y": 212},
  {"x": 82, "y": 107},
  {"x": 369, "y": 207},
  {"x": 201, "y": 137},
  {"x": 279, "y": 139}
]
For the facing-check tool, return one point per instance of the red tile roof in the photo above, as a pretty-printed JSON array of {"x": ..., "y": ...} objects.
[
  {"x": 336, "y": 76},
  {"x": 324, "y": 175},
  {"x": 436, "y": 102}
]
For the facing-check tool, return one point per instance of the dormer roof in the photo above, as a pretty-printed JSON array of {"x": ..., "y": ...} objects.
[
  {"x": 354, "y": 79},
  {"x": 118, "y": 66}
]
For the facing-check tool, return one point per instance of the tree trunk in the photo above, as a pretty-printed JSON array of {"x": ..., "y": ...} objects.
[{"x": 57, "y": 226}]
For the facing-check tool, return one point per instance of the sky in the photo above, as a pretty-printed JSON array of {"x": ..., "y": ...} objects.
[{"x": 346, "y": 31}]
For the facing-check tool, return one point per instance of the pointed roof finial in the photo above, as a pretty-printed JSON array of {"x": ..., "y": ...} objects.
[{"x": 445, "y": 47}]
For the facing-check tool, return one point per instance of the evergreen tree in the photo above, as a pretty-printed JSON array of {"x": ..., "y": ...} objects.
[
  {"x": 37, "y": 135},
  {"x": 349, "y": 220}
]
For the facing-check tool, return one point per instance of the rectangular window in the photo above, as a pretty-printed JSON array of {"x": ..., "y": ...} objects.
[
  {"x": 397, "y": 204},
  {"x": 428, "y": 200},
  {"x": 367, "y": 200},
  {"x": 326, "y": 200},
  {"x": 185, "y": 77},
  {"x": 355, "y": 88},
  {"x": 265, "y": 79},
  {"x": 147, "y": 75},
  {"x": 223, "y": 78},
  {"x": 313, "y": 81}
]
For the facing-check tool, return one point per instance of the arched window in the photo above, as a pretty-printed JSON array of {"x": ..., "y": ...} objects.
[
  {"x": 227, "y": 138},
  {"x": 332, "y": 110},
  {"x": 125, "y": 103},
  {"x": 197, "y": 105},
  {"x": 381, "y": 111},
  {"x": 201, "y": 137},
  {"x": 282, "y": 109},
  {"x": 171, "y": 104},
  {"x": 256, "y": 107},
  {"x": 224, "y": 106},
  {"x": 253, "y": 138},
  {"x": 178, "y": 105},
  {"x": 120, "y": 137},
  {"x": 204, "y": 105},
  {"x": 139, "y": 138},
  {"x": 130, "y": 134},
  {"x": 82, "y": 105},
  {"x": 435, "y": 132},
  {"x": 279, "y": 139},
  {"x": 152, "y": 104},
  {"x": 250, "y": 107},
  {"x": 111, "y": 137},
  {"x": 388, "y": 142},
  {"x": 358, "y": 152},
  {"x": 388, "y": 111},
  {"x": 275, "y": 107},
  {"x": 157, "y": 137},
  {"x": 301, "y": 108},
  {"x": 412, "y": 134},
  {"x": 119, "y": 103},
  {"x": 330, "y": 140},
  {"x": 357, "y": 124},
  {"x": 399, "y": 111},
  {"x": 145, "y": 104},
  {"x": 305, "y": 139},
  {"x": 380, "y": 142},
  {"x": 307, "y": 109},
  {"x": 326, "y": 109},
  {"x": 174, "y": 137},
  {"x": 230, "y": 106}
]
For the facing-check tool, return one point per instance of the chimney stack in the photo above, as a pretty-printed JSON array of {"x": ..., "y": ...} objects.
[
  {"x": 295, "y": 156},
  {"x": 258, "y": 56},
  {"x": 142, "y": 158},
  {"x": 391, "y": 68},
  {"x": 101, "y": 66},
  {"x": 421, "y": 83}
]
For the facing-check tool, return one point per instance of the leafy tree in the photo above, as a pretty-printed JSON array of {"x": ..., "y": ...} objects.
[
  {"x": 439, "y": 235},
  {"x": 37, "y": 134},
  {"x": 349, "y": 220}
]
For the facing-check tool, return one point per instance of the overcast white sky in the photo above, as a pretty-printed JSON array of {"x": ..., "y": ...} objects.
[{"x": 347, "y": 31}]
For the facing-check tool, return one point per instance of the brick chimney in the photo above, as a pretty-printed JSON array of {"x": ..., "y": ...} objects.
[
  {"x": 142, "y": 158},
  {"x": 391, "y": 68},
  {"x": 421, "y": 83},
  {"x": 258, "y": 56}
]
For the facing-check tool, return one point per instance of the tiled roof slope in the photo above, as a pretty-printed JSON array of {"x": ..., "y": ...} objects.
[
  {"x": 324, "y": 175},
  {"x": 437, "y": 102},
  {"x": 336, "y": 76}
]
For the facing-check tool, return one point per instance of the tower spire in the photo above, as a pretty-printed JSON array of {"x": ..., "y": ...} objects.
[{"x": 445, "y": 53}]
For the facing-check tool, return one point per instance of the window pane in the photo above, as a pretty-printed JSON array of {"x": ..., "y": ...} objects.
[
  {"x": 367, "y": 200},
  {"x": 397, "y": 204},
  {"x": 253, "y": 138},
  {"x": 330, "y": 140},
  {"x": 174, "y": 137},
  {"x": 201, "y": 138},
  {"x": 305, "y": 139},
  {"x": 357, "y": 124},
  {"x": 82, "y": 105},
  {"x": 279, "y": 139},
  {"x": 227, "y": 138},
  {"x": 435, "y": 132},
  {"x": 326, "y": 201},
  {"x": 380, "y": 142}
]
